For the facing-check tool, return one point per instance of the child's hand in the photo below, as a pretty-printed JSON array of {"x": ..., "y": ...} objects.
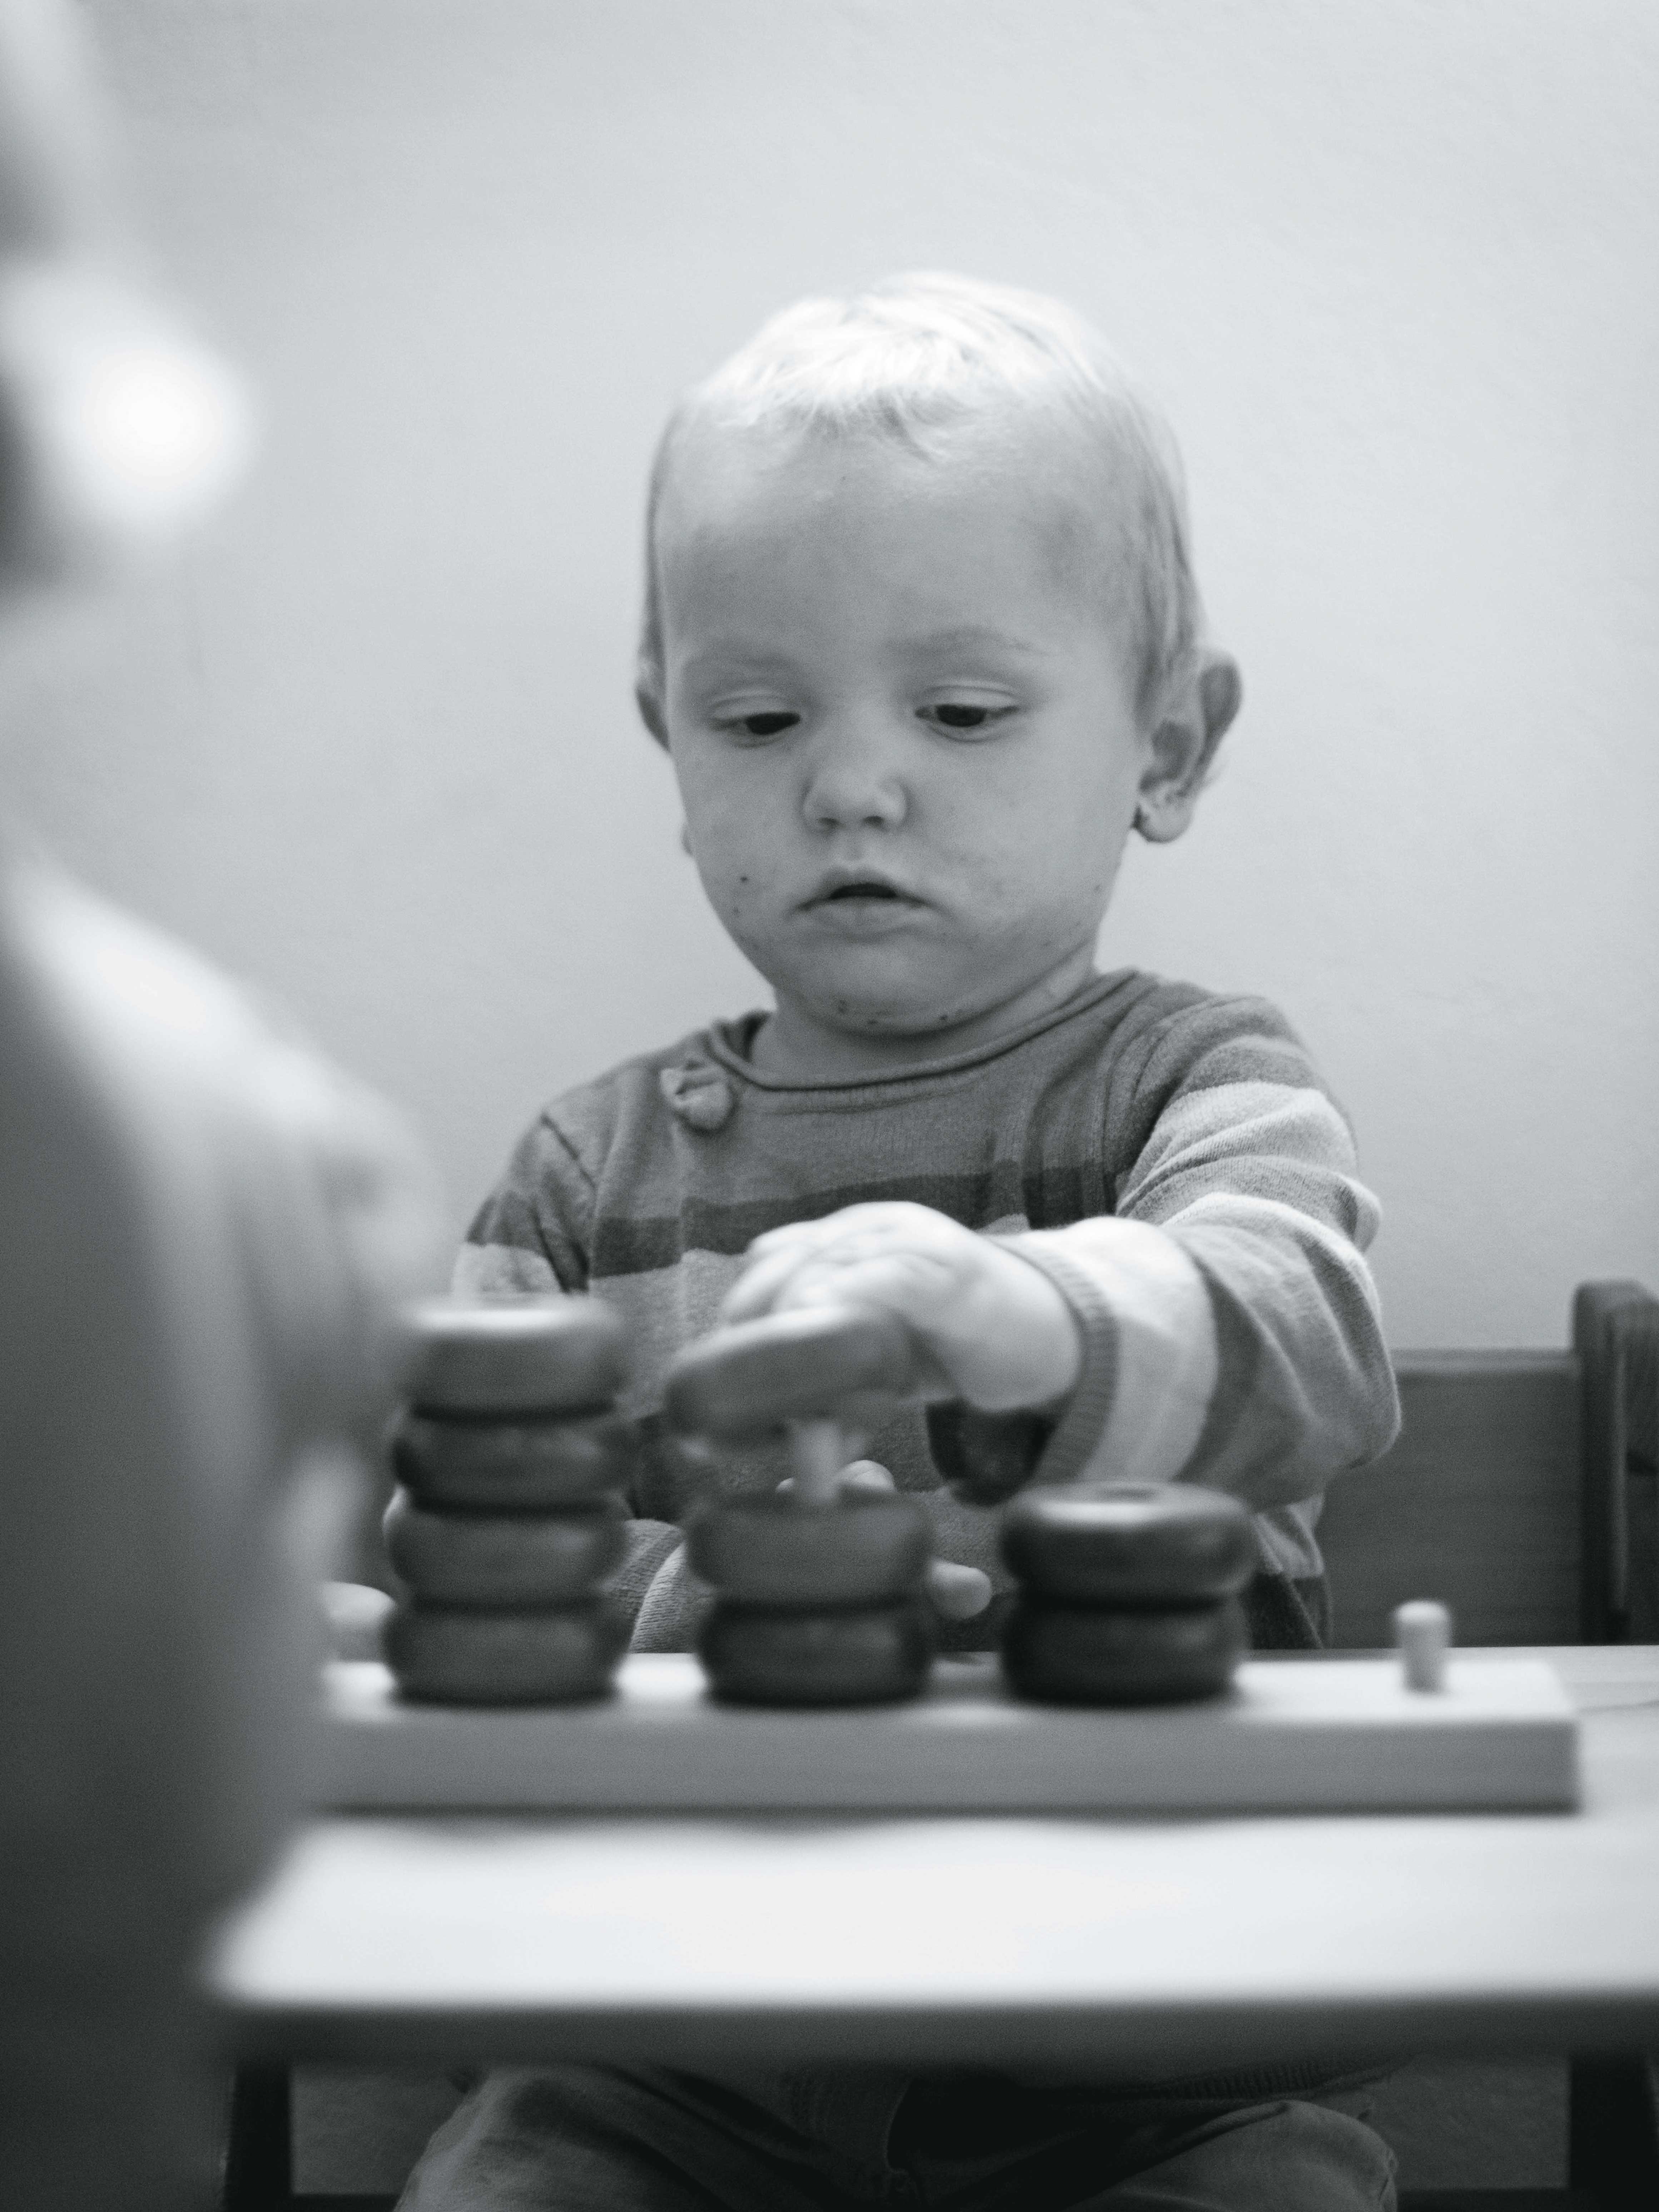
[{"x": 988, "y": 1326}]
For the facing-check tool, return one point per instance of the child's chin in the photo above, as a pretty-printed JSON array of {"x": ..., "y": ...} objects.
[
  {"x": 875, "y": 990},
  {"x": 877, "y": 1018}
]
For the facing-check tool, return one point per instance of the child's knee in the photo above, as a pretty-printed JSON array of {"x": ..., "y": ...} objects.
[
  {"x": 527, "y": 2140},
  {"x": 1270, "y": 2158},
  {"x": 577, "y": 2138}
]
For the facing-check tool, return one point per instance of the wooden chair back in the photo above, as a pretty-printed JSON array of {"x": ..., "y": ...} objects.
[{"x": 1520, "y": 1492}]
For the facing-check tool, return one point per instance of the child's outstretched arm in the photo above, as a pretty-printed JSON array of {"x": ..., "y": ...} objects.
[
  {"x": 1232, "y": 1331},
  {"x": 1220, "y": 1325}
]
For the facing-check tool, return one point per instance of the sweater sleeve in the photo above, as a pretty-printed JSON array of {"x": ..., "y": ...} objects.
[{"x": 1230, "y": 1326}]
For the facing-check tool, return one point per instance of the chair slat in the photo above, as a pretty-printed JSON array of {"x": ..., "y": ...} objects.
[{"x": 1477, "y": 1504}]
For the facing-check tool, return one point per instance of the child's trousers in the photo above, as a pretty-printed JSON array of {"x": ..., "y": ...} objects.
[{"x": 611, "y": 2139}]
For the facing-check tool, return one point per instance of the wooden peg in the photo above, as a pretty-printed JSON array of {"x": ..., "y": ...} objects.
[
  {"x": 817, "y": 1453},
  {"x": 1423, "y": 1630}
]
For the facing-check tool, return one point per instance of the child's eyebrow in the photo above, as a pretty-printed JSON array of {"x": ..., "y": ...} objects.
[
  {"x": 723, "y": 655},
  {"x": 739, "y": 652},
  {"x": 968, "y": 635}
]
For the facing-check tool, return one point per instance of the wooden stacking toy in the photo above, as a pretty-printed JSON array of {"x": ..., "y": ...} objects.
[
  {"x": 819, "y": 1598},
  {"x": 1128, "y": 1593},
  {"x": 511, "y": 1457}
]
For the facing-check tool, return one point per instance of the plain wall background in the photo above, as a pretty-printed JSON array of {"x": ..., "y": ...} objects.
[{"x": 1392, "y": 267}]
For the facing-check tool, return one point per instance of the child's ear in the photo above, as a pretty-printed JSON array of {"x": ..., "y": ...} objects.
[
  {"x": 1193, "y": 722},
  {"x": 648, "y": 702}
]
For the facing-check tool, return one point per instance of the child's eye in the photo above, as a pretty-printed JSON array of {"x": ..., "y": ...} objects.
[
  {"x": 964, "y": 716},
  {"x": 767, "y": 722}
]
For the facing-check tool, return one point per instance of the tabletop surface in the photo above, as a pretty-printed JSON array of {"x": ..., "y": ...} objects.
[{"x": 1142, "y": 1945}]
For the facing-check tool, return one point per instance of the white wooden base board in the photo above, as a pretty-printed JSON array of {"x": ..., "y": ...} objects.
[{"x": 1326, "y": 1735}]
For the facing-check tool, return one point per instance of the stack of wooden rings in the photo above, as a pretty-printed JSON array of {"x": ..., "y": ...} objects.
[
  {"x": 511, "y": 1457},
  {"x": 1128, "y": 1593},
  {"x": 818, "y": 1604},
  {"x": 819, "y": 1589}
]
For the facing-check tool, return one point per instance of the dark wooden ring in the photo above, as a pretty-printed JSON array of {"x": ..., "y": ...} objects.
[
  {"x": 515, "y": 1355},
  {"x": 861, "y": 1656},
  {"x": 768, "y": 1551},
  {"x": 514, "y": 1466},
  {"x": 1084, "y": 1656},
  {"x": 1129, "y": 1543},
  {"x": 504, "y": 1559},
  {"x": 443, "y": 1655}
]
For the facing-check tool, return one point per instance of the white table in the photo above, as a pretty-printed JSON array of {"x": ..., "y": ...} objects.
[{"x": 1161, "y": 1945}]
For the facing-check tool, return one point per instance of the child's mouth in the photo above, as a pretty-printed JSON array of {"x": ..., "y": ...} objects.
[
  {"x": 842, "y": 888},
  {"x": 863, "y": 904}
]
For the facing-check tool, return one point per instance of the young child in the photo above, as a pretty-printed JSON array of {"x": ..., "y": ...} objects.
[{"x": 923, "y": 644}]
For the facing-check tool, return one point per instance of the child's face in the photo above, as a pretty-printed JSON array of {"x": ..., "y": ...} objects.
[{"x": 905, "y": 737}]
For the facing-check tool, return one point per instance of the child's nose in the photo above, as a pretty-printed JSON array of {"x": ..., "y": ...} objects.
[{"x": 853, "y": 781}]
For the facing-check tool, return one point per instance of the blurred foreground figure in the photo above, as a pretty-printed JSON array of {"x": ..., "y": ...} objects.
[{"x": 204, "y": 1235}]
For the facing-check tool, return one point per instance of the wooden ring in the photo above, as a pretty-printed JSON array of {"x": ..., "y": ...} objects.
[
  {"x": 443, "y": 1655},
  {"x": 514, "y": 1466},
  {"x": 1129, "y": 1543},
  {"x": 773, "y": 1655},
  {"x": 1078, "y": 1655},
  {"x": 768, "y": 1551},
  {"x": 515, "y": 1355},
  {"x": 530, "y": 1560}
]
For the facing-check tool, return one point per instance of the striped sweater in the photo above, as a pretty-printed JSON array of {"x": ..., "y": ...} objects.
[{"x": 1168, "y": 1157}]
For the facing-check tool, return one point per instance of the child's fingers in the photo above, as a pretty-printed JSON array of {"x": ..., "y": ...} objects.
[
  {"x": 957, "y": 1592},
  {"x": 847, "y": 1220},
  {"x": 910, "y": 1286},
  {"x": 781, "y": 1263},
  {"x": 355, "y": 1614},
  {"x": 756, "y": 1290},
  {"x": 772, "y": 1259},
  {"x": 791, "y": 1233},
  {"x": 866, "y": 1477},
  {"x": 914, "y": 1279},
  {"x": 863, "y": 1478}
]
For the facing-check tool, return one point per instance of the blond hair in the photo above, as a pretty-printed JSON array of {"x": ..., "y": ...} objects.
[{"x": 917, "y": 355}]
